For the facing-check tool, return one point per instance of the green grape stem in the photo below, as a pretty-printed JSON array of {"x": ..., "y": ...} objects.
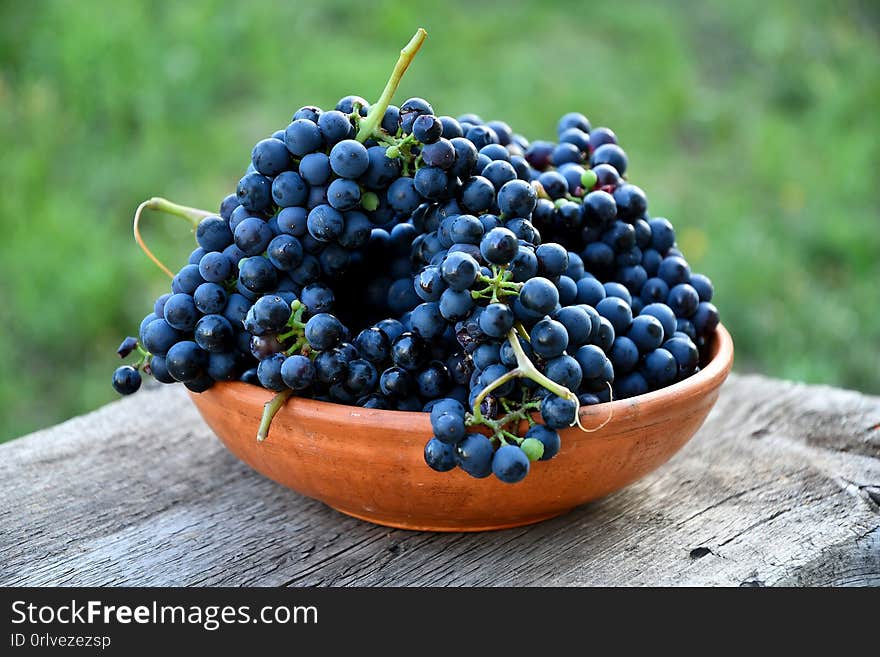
[
  {"x": 297, "y": 329},
  {"x": 525, "y": 369},
  {"x": 511, "y": 417},
  {"x": 193, "y": 215},
  {"x": 497, "y": 286},
  {"x": 529, "y": 371},
  {"x": 270, "y": 408},
  {"x": 370, "y": 124}
]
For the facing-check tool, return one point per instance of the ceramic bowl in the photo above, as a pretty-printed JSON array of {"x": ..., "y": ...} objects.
[{"x": 369, "y": 463}]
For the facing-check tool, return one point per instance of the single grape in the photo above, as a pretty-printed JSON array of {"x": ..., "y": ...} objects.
[
  {"x": 646, "y": 332},
  {"x": 624, "y": 354},
  {"x": 186, "y": 361},
  {"x": 373, "y": 344},
  {"x": 128, "y": 345},
  {"x": 159, "y": 369},
  {"x": 349, "y": 159},
  {"x": 683, "y": 300},
  {"x": 455, "y": 305},
  {"x": 433, "y": 381},
  {"x": 554, "y": 184},
  {"x": 510, "y": 464},
  {"x": 465, "y": 157},
  {"x": 573, "y": 120},
  {"x": 335, "y": 126},
  {"x": 223, "y": 365},
  {"x": 252, "y": 236},
  {"x": 705, "y": 318},
  {"x": 289, "y": 189},
  {"x": 600, "y": 136},
  {"x": 477, "y": 194},
  {"x": 126, "y": 380},
  {"x": 499, "y": 246},
  {"x": 257, "y": 274},
  {"x": 297, "y": 372},
  {"x": 214, "y": 333},
  {"x": 558, "y": 412},
  {"x": 331, "y": 366},
  {"x": 660, "y": 368},
  {"x": 703, "y": 286},
  {"x": 396, "y": 382},
  {"x": 685, "y": 353},
  {"x": 610, "y": 154},
  {"x": 427, "y": 321},
  {"x": 552, "y": 259},
  {"x": 496, "y": 320},
  {"x": 654, "y": 290},
  {"x": 474, "y": 455},
  {"x": 459, "y": 270},
  {"x": 498, "y": 172},
  {"x": 269, "y": 372},
  {"x": 344, "y": 194},
  {"x": 323, "y": 331},
  {"x": 539, "y": 295},
  {"x": 431, "y": 182},
  {"x": 213, "y": 234},
  {"x": 215, "y": 267},
  {"x": 301, "y": 137},
  {"x": 325, "y": 223},
  {"x": 631, "y": 202},
  {"x": 517, "y": 198},
  {"x": 409, "y": 351},
  {"x": 158, "y": 336},
  {"x": 187, "y": 279},
  {"x": 564, "y": 370},
  {"x": 361, "y": 378},
  {"x": 314, "y": 168},
  {"x": 617, "y": 311},
  {"x": 577, "y": 324},
  {"x": 440, "y": 456},
  {"x": 549, "y": 338},
  {"x": 533, "y": 448},
  {"x": 180, "y": 312},
  {"x": 630, "y": 385}
]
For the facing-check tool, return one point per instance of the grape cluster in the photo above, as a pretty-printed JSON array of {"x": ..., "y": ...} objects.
[{"x": 391, "y": 258}]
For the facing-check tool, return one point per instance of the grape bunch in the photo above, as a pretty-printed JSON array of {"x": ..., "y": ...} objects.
[{"x": 392, "y": 258}]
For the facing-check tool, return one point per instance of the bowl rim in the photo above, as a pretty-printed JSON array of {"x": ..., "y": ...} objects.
[{"x": 708, "y": 378}]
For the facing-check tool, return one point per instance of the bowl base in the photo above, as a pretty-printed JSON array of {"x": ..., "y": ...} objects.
[{"x": 417, "y": 526}]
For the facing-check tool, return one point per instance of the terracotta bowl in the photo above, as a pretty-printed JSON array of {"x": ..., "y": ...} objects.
[{"x": 369, "y": 463}]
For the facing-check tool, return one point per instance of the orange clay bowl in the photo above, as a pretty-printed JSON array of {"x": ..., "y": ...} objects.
[{"x": 369, "y": 463}]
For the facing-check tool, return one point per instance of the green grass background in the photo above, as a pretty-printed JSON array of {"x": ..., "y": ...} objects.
[{"x": 752, "y": 125}]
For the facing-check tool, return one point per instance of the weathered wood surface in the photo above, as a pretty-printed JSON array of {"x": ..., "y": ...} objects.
[{"x": 780, "y": 487}]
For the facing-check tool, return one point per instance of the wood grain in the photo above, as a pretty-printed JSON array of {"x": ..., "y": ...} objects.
[{"x": 781, "y": 486}]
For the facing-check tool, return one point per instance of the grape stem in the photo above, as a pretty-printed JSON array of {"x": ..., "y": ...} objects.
[
  {"x": 270, "y": 408},
  {"x": 371, "y": 121},
  {"x": 526, "y": 369},
  {"x": 500, "y": 381},
  {"x": 529, "y": 371},
  {"x": 496, "y": 286},
  {"x": 193, "y": 215},
  {"x": 297, "y": 329}
]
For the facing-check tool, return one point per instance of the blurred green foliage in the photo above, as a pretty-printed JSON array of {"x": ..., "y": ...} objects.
[{"x": 753, "y": 126}]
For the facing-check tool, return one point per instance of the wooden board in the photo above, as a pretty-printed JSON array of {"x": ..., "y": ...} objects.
[{"x": 780, "y": 487}]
